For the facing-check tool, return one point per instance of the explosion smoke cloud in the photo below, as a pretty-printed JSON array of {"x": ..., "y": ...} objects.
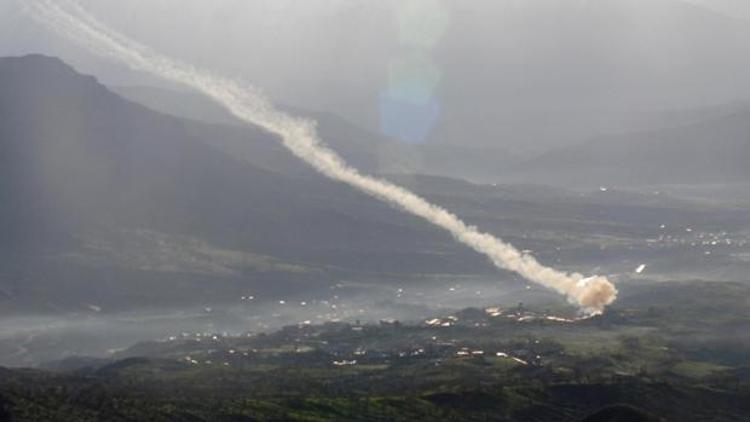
[{"x": 299, "y": 136}]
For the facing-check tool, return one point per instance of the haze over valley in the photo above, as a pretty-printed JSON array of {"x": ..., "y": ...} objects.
[{"x": 542, "y": 199}]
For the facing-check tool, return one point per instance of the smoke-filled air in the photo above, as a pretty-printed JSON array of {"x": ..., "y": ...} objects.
[
  {"x": 375, "y": 210},
  {"x": 591, "y": 294}
]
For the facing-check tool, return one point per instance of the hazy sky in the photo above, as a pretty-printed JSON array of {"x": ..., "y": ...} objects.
[
  {"x": 734, "y": 8},
  {"x": 417, "y": 68}
]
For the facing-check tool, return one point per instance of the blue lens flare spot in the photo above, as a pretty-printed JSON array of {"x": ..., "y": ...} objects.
[
  {"x": 413, "y": 78},
  {"x": 405, "y": 120}
]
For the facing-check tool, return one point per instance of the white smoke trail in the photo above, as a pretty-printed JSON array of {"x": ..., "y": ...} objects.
[{"x": 66, "y": 17}]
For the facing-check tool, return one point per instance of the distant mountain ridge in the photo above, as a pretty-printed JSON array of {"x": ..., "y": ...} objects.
[
  {"x": 366, "y": 150},
  {"x": 713, "y": 150},
  {"x": 705, "y": 145}
]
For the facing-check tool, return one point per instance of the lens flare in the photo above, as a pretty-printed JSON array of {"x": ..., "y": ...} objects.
[{"x": 409, "y": 108}]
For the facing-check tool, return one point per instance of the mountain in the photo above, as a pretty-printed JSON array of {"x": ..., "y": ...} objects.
[
  {"x": 105, "y": 197},
  {"x": 366, "y": 150},
  {"x": 713, "y": 150},
  {"x": 358, "y": 146}
]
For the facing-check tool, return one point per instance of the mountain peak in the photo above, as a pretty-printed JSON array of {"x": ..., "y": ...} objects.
[
  {"x": 38, "y": 61},
  {"x": 44, "y": 74}
]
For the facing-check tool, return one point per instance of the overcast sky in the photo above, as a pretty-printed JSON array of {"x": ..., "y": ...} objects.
[
  {"x": 433, "y": 59},
  {"x": 734, "y": 8},
  {"x": 275, "y": 41}
]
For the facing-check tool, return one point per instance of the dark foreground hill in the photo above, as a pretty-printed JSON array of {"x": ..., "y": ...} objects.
[
  {"x": 621, "y": 413},
  {"x": 672, "y": 359},
  {"x": 76, "y": 398}
]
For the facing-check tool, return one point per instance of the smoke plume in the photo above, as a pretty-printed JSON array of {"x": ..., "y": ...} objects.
[{"x": 66, "y": 17}]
